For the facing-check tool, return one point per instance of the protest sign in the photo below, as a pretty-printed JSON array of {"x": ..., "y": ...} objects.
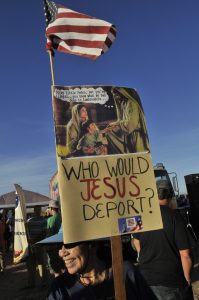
[
  {"x": 105, "y": 171},
  {"x": 108, "y": 195}
]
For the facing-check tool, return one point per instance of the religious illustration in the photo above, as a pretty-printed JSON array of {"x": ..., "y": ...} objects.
[{"x": 98, "y": 120}]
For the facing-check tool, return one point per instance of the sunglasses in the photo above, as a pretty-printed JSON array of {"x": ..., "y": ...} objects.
[{"x": 71, "y": 245}]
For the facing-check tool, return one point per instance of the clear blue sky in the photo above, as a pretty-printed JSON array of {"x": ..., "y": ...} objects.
[{"x": 156, "y": 52}]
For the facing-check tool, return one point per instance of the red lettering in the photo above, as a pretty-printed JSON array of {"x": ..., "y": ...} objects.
[
  {"x": 122, "y": 194},
  {"x": 137, "y": 192},
  {"x": 111, "y": 196},
  {"x": 88, "y": 181},
  {"x": 95, "y": 186},
  {"x": 90, "y": 189}
]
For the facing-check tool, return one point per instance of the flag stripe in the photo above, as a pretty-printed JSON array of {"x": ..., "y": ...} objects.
[
  {"x": 76, "y": 48},
  {"x": 76, "y": 33},
  {"x": 70, "y": 14},
  {"x": 78, "y": 29},
  {"x": 62, "y": 9},
  {"x": 80, "y": 22},
  {"x": 83, "y": 43},
  {"x": 75, "y": 36},
  {"x": 92, "y": 51},
  {"x": 83, "y": 54}
]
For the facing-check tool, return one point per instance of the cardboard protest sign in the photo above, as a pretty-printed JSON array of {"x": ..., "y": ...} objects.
[
  {"x": 101, "y": 198},
  {"x": 105, "y": 172}
]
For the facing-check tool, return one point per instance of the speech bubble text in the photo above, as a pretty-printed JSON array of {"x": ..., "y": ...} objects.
[{"x": 86, "y": 95}]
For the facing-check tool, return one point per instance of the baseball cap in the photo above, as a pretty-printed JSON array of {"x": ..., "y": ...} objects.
[{"x": 54, "y": 204}]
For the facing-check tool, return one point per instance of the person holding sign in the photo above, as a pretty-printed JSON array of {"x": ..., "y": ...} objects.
[
  {"x": 129, "y": 133},
  {"x": 89, "y": 273},
  {"x": 164, "y": 258}
]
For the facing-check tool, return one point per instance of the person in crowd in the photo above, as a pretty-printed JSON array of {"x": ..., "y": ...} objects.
[
  {"x": 89, "y": 273},
  {"x": 128, "y": 134},
  {"x": 53, "y": 225},
  {"x": 164, "y": 255},
  {"x": 2, "y": 242},
  {"x": 73, "y": 130},
  {"x": 7, "y": 233},
  {"x": 54, "y": 219},
  {"x": 91, "y": 142},
  {"x": 36, "y": 231}
]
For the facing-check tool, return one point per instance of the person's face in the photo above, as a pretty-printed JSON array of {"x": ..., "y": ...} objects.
[
  {"x": 48, "y": 211},
  {"x": 74, "y": 258},
  {"x": 91, "y": 128},
  {"x": 51, "y": 211},
  {"x": 83, "y": 113}
]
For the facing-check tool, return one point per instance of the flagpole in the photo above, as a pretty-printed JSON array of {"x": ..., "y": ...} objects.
[
  {"x": 117, "y": 264},
  {"x": 51, "y": 67}
]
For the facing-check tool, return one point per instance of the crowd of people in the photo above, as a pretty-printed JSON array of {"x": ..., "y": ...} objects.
[
  {"x": 162, "y": 270},
  {"x": 39, "y": 225},
  {"x": 44, "y": 259},
  {"x": 83, "y": 270}
]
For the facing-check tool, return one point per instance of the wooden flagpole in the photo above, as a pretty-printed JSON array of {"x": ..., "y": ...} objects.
[
  {"x": 117, "y": 264},
  {"x": 51, "y": 67}
]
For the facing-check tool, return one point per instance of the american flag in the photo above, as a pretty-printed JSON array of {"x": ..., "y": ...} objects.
[{"x": 75, "y": 33}]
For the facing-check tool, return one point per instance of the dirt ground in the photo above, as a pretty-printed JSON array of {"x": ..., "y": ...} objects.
[{"x": 13, "y": 281}]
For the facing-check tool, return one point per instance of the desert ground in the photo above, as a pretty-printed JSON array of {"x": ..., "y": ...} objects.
[{"x": 14, "y": 279}]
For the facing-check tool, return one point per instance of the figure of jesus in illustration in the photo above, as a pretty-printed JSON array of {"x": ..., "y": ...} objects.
[{"x": 128, "y": 134}]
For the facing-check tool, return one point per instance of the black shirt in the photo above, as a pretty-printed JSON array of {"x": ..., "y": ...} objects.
[
  {"x": 159, "y": 258},
  {"x": 67, "y": 287}
]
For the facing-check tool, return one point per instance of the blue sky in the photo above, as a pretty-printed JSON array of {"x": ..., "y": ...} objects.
[{"x": 156, "y": 51}]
